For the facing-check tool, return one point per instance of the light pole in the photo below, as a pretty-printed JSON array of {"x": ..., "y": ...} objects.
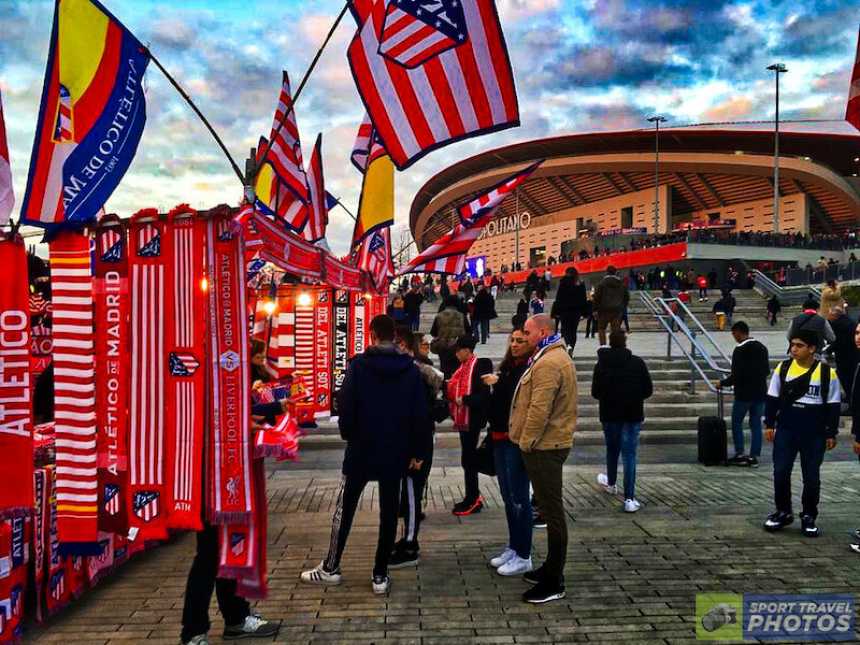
[
  {"x": 777, "y": 69},
  {"x": 657, "y": 119},
  {"x": 517, "y": 228}
]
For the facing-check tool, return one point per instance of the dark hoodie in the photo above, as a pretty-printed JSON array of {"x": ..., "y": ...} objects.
[
  {"x": 621, "y": 384},
  {"x": 383, "y": 411}
]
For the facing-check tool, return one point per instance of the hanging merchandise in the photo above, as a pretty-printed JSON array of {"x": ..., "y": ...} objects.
[
  {"x": 359, "y": 323},
  {"x": 305, "y": 343},
  {"x": 16, "y": 440},
  {"x": 41, "y": 528},
  {"x": 186, "y": 337},
  {"x": 99, "y": 565},
  {"x": 341, "y": 275},
  {"x": 322, "y": 352},
  {"x": 57, "y": 593},
  {"x": 148, "y": 256},
  {"x": 74, "y": 393},
  {"x": 232, "y": 501},
  {"x": 287, "y": 251},
  {"x": 282, "y": 333},
  {"x": 340, "y": 343},
  {"x": 113, "y": 371},
  {"x": 14, "y": 561}
]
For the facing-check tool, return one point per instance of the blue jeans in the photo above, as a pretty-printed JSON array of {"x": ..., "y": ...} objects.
[
  {"x": 739, "y": 412},
  {"x": 622, "y": 439},
  {"x": 514, "y": 487}
]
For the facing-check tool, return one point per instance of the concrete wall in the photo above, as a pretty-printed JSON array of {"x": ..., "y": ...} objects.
[
  {"x": 758, "y": 215},
  {"x": 760, "y": 253}
]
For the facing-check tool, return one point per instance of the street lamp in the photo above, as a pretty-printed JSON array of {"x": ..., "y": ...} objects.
[
  {"x": 657, "y": 119},
  {"x": 777, "y": 69}
]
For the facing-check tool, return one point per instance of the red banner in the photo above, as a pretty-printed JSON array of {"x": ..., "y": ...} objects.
[
  {"x": 341, "y": 275},
  {"x": 305, "y": 339}
]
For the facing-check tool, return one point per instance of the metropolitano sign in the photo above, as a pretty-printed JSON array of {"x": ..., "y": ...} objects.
[{"x": 504, "y": 225}]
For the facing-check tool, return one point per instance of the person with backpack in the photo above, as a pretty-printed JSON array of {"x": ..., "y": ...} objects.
[
  {"x": 621, "y": 383},
  {"x": 801, "y": 417},
  {"x": 810, "y": 319},
  {"x": 611, "y": 298},
  {"x": 448, "y": 325}
]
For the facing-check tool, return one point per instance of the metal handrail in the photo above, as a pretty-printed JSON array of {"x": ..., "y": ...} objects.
[
  {"x": 682, "y": 323},
  {"x": 771, "y": 288}
]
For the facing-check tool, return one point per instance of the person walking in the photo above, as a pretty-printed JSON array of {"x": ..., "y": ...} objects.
[
  {"x": 468, "y": 398},
  {"x": 542, "y": 423},
  {"x": 621, "y": 383},
  {"x": 611, "y": 298},
  {"x": 570, "y": 305},
  {"x": 590, "y": 320},
  {"x": 382, "y": 415},
  {"x": 702, "y": 284},
  {"x": 412, "y": 305},
  {"x": 750, "y": 369},
  {"x": 854, "y": 401},
  {"x": 516, "y": 557},
  {"x": 485, "y": 311},
  {"x": 448, "y": 325},
  {"x": 843, "y": 352},
  {"x": 801, "y": 417},
  {"x": 810, "y": 319},
  {"x": 773, "y": 309}
]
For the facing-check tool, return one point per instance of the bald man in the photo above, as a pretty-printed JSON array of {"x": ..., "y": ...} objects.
[{"x": 542, "y": 422}]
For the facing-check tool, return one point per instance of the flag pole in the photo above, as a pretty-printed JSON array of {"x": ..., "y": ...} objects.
[
  {"x": 348, "y": 212},
  {"x": 197, "y": 111},
  {"x": 295, "y": 97}
]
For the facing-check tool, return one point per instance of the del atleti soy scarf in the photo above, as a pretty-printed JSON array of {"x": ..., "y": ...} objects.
[
  {"x": 16, "y": 423},
  {"x": 459, "y": 386},
  {"x": 40, "y": 537},
  {"x": 113, "y": 372},
  {"x": 74, "y": 393},
  {"x": 149, "y": 253},
  {"x": 231, "y": 501},
  {"x": 186, "y": 340}
]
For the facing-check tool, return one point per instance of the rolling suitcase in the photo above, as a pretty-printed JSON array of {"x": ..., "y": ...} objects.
[{"x": 713, "y": 438}]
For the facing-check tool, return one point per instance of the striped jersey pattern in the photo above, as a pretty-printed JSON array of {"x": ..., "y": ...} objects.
[{"x": 74, "y": 383}]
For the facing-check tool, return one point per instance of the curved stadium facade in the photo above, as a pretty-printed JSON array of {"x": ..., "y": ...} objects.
[{"x": 605, "y": 182}]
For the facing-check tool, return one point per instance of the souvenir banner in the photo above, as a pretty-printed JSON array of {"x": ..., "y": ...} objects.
[
  {"x": 340, "y": 343},
  {"x": 322, "y": 352},
  {"x": 148, "y": 259},
  {"x": 41, "y": 528},
  {"x": 286, "y": 250},
  {"x": 97, "y": 566},
  {"x": 186, "y": 340},
  {"x": 14, "y": 560},
  {"x": 282, "y": 333},
  {"x": 113, "y": 373},
  {"x": 253, "y": 583},
  {"x": 305, "y": 341},
  {"x": 359, "y": 324},
  {"x": 16, "y": 423},
  {"x": 58, "y": 591},
  {"x": 341, "y": 275},
  {"x": 74, "y": 393},
  {"x": 232, "y": 500}
]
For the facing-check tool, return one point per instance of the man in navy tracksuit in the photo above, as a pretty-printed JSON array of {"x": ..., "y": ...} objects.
[{"x": 801, "y": 417}]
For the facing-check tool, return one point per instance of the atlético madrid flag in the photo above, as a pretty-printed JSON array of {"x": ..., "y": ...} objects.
[
  {"x": 376, "y": 204},
  {"x": 852, "y": 111},
  {"x": 7, "y": 198},
  {"x": 431, "y": 73},
  {"x": 91, "y": 118}
]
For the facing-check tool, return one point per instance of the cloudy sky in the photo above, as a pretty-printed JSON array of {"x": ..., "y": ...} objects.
[{"x": 579, "y": 66}]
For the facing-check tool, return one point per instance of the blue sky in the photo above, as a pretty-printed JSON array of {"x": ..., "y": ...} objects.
[{"x": 579, "y": 66}]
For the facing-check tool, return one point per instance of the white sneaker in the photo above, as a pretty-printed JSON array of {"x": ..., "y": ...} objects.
[
  {"x": 381, "y": 585},
  {"x": 503, "y": 557},
  {"x": 631, "y": 505},
  {"x": 319, "y": 576},
  {"x": 200, "y": 639},
  {"x": 603, "y": 480},
  {"x": 515, "y": 566}
]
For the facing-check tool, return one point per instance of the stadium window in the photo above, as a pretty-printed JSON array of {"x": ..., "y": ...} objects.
[{"x": 627, "y": 217}]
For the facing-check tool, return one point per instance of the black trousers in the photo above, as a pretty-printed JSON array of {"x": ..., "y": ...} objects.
[
  {"x": 544, "y": 468},
  {"x": 351, "y": 488},
  {"x": 198, "y": 591},
  {"x": 469, "y": 462},
  {"x": 411, "y": 494},
  {"x": 569, "y": 327},
  {"x": 805, "y": 437}
]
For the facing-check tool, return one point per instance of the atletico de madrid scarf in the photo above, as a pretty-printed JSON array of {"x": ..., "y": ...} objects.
[
  {"x": 113, "y": 373},
  {"x": 58, "y": 591},
  {"x": 148, "y": 258},
  {"x": 14, "y": 559},
  {"x": 186, "y": 340},
  {"x": 16, "y": 427},
  {"x": 74, "y": 393},
  {"x": 231, "y": 500},
  {"x": 41, "y": 529}
]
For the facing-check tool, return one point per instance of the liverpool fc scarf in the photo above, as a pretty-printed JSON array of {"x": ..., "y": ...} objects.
[
  {"x": 74, "y": 393},
  {"x": 148, "y": 256},
  {"x": 113, "y": 372},
  {"x": 460, "y": 386},
  {"x": 186, "y": 336},
  {"x": 230, "y": 455},
  {"x": 16, "y": 440}
]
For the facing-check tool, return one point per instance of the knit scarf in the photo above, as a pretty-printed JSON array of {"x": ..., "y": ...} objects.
[
  {"x": 149, "y": 262},
  {"x": 280, "y": 442},
  {"x": 113, "y": 372},
  {"x": 14, "y": 562},
  {"x": 231, "y": 498},
  {"x": 542, "y": 344},
  {"x": 460, "y": 386},
  {"x": 16, "y": 423},
  {"x": 74, "y": 393},
  {"x": 58, "y": 590},
  {"x": 40, "y": 532},
  {"x": 186, "y": 340}
]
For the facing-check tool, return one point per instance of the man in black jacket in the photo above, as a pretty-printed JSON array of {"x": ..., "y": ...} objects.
[
  {"x": 750, "y": 368},
  {"x": 621, "y": 383},
  {"x": 843, "y": 347},
  {"x": 382, "y": 411},
  {"x": 569, "y": 305}
]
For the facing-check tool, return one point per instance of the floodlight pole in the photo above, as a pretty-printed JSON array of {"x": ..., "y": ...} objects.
[
  {"x": 657, "y": 119},
  {"x": 777, "y": 69}
]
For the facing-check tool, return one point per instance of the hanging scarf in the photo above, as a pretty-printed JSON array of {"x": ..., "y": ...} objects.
[
  {"x": 14, "y": 560},
  {"x": 58, "y": 591},
  {"x": 113, "y": 372},
  {"x": 280, "y": 442},
  {"x": 148, "y": 261},
  {"x": 460, "y": 386},
  {"x": 74, "y": 393},
  {"x": 40, "y": 533},
  {"x": 16, "y": 423},
  {"x": 98, "y": 566},
  {"x": 543, "y": 344},
  {"x": 229, "y": 459},
  {"x": 186, "y": 340}
]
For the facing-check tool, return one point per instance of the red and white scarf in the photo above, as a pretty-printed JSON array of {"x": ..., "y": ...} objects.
[
  {"x": 231, "y": 501},
  {"x": 74, "y": 393},
  {"x": 280, "y": 442},
  {"x": 113, "y": 373},
  {"x": 14, "y": 563},
  {"x": 16, "y": 423},
  {"x": 460, "y": 386},
  {"x": 148, "y": 257},
  {"x": 40, "y": 537}
]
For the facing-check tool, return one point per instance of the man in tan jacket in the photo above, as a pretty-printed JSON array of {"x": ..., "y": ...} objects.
[{"x": 542, "y": 422}]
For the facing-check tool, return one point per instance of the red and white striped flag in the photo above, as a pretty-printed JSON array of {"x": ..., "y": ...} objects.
[
  {"x": 367, "y": 147},
  {"x": 318, "y": 213},
  {"x": 485, "y": 205},
  {"x": 286, "y": 151},
  {"x": 852, "y": 110},
  {"x": 452, "y": 81},
  {"x": 374, "y": 257},
  {"x": 7, "y": 197}
]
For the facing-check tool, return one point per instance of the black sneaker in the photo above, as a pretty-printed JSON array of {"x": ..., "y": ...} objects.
[
  {"x": 738, "y": 460},
  {"x": 404, "y": 557},
  {"x": 807, "y": 525},
  {"x": 778, "y": 520},
  {"x": 752, "y": 462},
  {"x": 544, "y": 591},
  {"x": 254, "y": 626},
  {"x": 467, "y": 507},
  {"x": 538, "y": 521},
  {"x": 535, "y": 576}
]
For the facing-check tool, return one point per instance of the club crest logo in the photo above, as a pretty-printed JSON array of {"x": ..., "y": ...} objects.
[
  {"x": 182, "y": 364},
  {"x": 229, "y": 360},
  {"x": 232, "y": 487},
  {"x": 237, "y": 543},
  {"x": 111, "y": 499},
  {"x": 145, "y": 505}
]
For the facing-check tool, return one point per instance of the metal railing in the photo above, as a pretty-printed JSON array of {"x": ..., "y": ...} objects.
[{"x": 785, "y": 295}]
